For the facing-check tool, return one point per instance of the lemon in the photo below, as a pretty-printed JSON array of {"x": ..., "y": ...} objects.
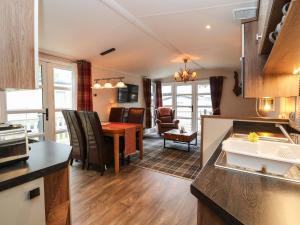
[{"x": 253, "y": 137}]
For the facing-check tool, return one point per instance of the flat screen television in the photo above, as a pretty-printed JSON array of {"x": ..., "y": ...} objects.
[{"x": 128, "y": 94}]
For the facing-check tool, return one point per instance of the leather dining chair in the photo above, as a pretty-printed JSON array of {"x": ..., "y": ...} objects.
[
  {"x": 76, "y": 135},
  {"x": 99, "y": 150},
  {"x": 116, "y": 114},
  {"x": 136, "y": 115}
]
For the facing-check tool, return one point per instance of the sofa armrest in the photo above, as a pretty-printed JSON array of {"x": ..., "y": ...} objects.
[
  {"x": 176, "y": 121},
  {"x": 158, "y": 121}
]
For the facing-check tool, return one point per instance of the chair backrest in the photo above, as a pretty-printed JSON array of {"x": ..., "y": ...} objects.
[
  {"x": 136, "y": 115},
  {"x": 165, "y": 114},
  {"x": 76, "y": 134},
  {"x": 94, "y": 137},
  {"x": 116, "y": 114}
]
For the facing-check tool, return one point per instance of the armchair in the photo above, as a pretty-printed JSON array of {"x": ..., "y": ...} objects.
[{"x": 165, "y": 119}]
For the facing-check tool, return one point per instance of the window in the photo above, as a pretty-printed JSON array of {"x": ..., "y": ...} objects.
[
  {"x": 184, "y": 103},
  {"x": 57, "y": 91},
  {"x": 63, "y": 99},
  {"x": 26, "y": 107},
  {"x": 167, "y": 98},
  {"x": 204, "y": 101}
]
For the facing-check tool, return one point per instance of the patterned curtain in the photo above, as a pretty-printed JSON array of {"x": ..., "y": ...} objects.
[
  {"x": 216, "y": 87},
  {"x": 84, "y": 92},
  {"x": 147, "y": 97},
  {"x": 158, "y": 94}
]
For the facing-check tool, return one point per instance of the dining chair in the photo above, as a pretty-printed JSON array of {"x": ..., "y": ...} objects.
[
  {"x": 99, "y": 150},
  {"x": 76, "y": 136},
  {"x": 116, "y": 114},
  {"x": 136, "y": 115}
]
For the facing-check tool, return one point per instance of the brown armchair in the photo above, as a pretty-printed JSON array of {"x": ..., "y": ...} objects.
[{"x": 165, "y": 119}]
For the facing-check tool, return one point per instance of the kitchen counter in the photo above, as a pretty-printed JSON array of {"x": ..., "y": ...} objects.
[
  {"x": 44, "y": 158},
  {"x": 231, "y": 197}
]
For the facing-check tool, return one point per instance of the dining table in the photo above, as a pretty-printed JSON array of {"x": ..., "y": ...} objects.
[{"x": 117, "y": 130}]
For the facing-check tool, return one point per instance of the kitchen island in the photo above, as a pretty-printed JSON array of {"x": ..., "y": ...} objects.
[
  {"x": 36, "y": 191},
  {"x": 232, "y": 197}
]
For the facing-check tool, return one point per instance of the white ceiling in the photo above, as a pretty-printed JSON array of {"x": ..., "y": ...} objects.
[{"x": 148, "y": 34}]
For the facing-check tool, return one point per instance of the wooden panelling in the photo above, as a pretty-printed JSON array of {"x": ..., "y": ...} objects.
[
  {"x": 253, "y": 79},
  {"x": 17, "y": 44},
  {"x": 207, "y": 216},
  {"x": 285, "y": 54},
  {"x": 57, "y": 198}
]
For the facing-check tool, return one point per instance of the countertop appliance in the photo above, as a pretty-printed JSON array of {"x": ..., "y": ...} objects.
[{"x": 13, "y": 144}]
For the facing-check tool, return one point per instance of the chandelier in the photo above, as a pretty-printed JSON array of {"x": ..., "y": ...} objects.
[{"x": 185, "y": 74}]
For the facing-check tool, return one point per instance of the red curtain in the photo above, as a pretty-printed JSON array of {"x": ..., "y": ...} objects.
[
  {"x": 84, "y": 91},
  {"x": 147, "y": 97},
  {"x": 216, "y": 87},
  {"x": 158, "y": 94}
]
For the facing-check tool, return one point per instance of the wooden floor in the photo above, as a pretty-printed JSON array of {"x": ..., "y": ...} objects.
[{"x": 135, "y": 196}]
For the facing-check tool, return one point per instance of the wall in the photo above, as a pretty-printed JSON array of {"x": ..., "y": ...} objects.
[
  {"x": 231, "y": 105},
  {"x": 107, "y": 98}
]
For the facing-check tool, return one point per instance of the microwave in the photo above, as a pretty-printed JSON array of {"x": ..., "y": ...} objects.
[{"x": 13, "y": 144}]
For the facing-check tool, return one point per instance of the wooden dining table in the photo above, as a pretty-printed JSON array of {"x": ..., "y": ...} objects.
[{"x": 117, "y": 130}]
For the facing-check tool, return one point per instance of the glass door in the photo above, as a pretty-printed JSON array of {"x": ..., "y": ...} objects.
[
  {"x": 203, "y": 101},
  {"x": 184, "y": 106}
]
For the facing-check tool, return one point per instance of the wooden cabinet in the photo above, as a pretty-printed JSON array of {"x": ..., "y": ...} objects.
[
  {"x": 260, "y": 76},
  {"x": 18, "y": 208},
  {"x": 18, "y": 44}
]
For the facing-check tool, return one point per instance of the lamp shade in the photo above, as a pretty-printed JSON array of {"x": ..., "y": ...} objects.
[
  {"x": 121, "y": 84},
  {"x": 108, "y": 85},
  {"x": 97, "y": 85}
]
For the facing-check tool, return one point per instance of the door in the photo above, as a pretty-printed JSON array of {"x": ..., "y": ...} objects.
[
  {"x": 40, "y": 109},
  {"x": 185, "y": 106}
]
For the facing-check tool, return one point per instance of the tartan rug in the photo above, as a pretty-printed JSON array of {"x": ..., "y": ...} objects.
[{"x": 174, "y": 160}]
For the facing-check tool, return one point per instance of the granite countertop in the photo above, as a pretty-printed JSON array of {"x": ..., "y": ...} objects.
[
  {"x": 44, "y": 158},
  {"x": 241, "y": 198}
]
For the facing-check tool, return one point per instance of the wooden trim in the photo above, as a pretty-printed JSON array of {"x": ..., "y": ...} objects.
[
  {"x": 57, "y": 198},
  {"x": 266, "y": 119}
]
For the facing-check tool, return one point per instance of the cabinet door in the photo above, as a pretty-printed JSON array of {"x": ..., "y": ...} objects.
[
  {"x": 18, "y": 43},
  {"x": 253, "y": 63},
  {"x": 18, "y": 209}
]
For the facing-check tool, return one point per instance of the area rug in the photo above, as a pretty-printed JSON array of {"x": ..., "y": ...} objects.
[{"x": 174, "y": 160}]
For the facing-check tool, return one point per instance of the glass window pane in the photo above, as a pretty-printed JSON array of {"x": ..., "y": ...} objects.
[
  {"x": 167, "y": 101},
  {"x": 184, "y": 112},
  {"x": 60, "y": 123},
  {"x": 166, "y": 89},
  {"x": 204, "y": 100},
  {"x": 62, "y": 78},
  {"x": 184, "y": 100},
  {"x": 63, "y": 138},
  {"x": 204, "y": 88},
  {"x": 63, "y": 99},
  {"x": 204, "y": 111},
  {"x": 24, "y": 100},
  {"x": 32, "y": 121},
  {"x": 184, "y": 89}
]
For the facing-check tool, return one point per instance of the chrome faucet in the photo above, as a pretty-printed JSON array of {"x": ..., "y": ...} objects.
[{"x": 286, "y": 134}]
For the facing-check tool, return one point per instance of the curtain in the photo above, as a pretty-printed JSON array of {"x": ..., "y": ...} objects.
[
  {"x": 216, "y": 86},
  {"x": 158, "y": 102},
  {"x": 147, "y": 97},
  {"x": 84, "y": 91}
]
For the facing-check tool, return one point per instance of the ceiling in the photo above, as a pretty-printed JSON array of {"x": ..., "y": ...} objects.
[{"x": 149, "y": 35}]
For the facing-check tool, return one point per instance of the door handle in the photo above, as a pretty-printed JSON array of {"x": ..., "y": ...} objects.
[
  {"x": 34, "y": 193},
  {"x": 192, "y": 108},
  {"x": 46, "y": 113}
]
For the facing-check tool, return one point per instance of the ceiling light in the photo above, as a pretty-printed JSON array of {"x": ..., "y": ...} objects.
[
  {"x": 208, "y": 27},
  {"x": 121, "y": 84},
  {"x": 185, "y": 74},
  {"x": 97, "y": 86},
  {"x": 108, "y": 85}
]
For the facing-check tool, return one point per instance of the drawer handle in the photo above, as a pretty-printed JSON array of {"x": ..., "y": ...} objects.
[{"x": 34, "y": 193}]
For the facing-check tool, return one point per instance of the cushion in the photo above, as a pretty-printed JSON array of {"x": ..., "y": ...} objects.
[
  {"x": 162, "y": 111},
  {"x": 168, "y": 125},
  {"x": 165, "y": 119}
]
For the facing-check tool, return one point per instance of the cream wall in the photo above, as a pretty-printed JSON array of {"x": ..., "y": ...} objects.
[
  {"x": 231, "y": 105},
  {"x": 107, "y": 98}
]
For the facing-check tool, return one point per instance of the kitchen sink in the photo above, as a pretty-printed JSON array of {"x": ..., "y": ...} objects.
[{"x": 270, "y": 157}]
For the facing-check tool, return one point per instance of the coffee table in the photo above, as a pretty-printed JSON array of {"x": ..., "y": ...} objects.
[{"x": 176, "y": 136}]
